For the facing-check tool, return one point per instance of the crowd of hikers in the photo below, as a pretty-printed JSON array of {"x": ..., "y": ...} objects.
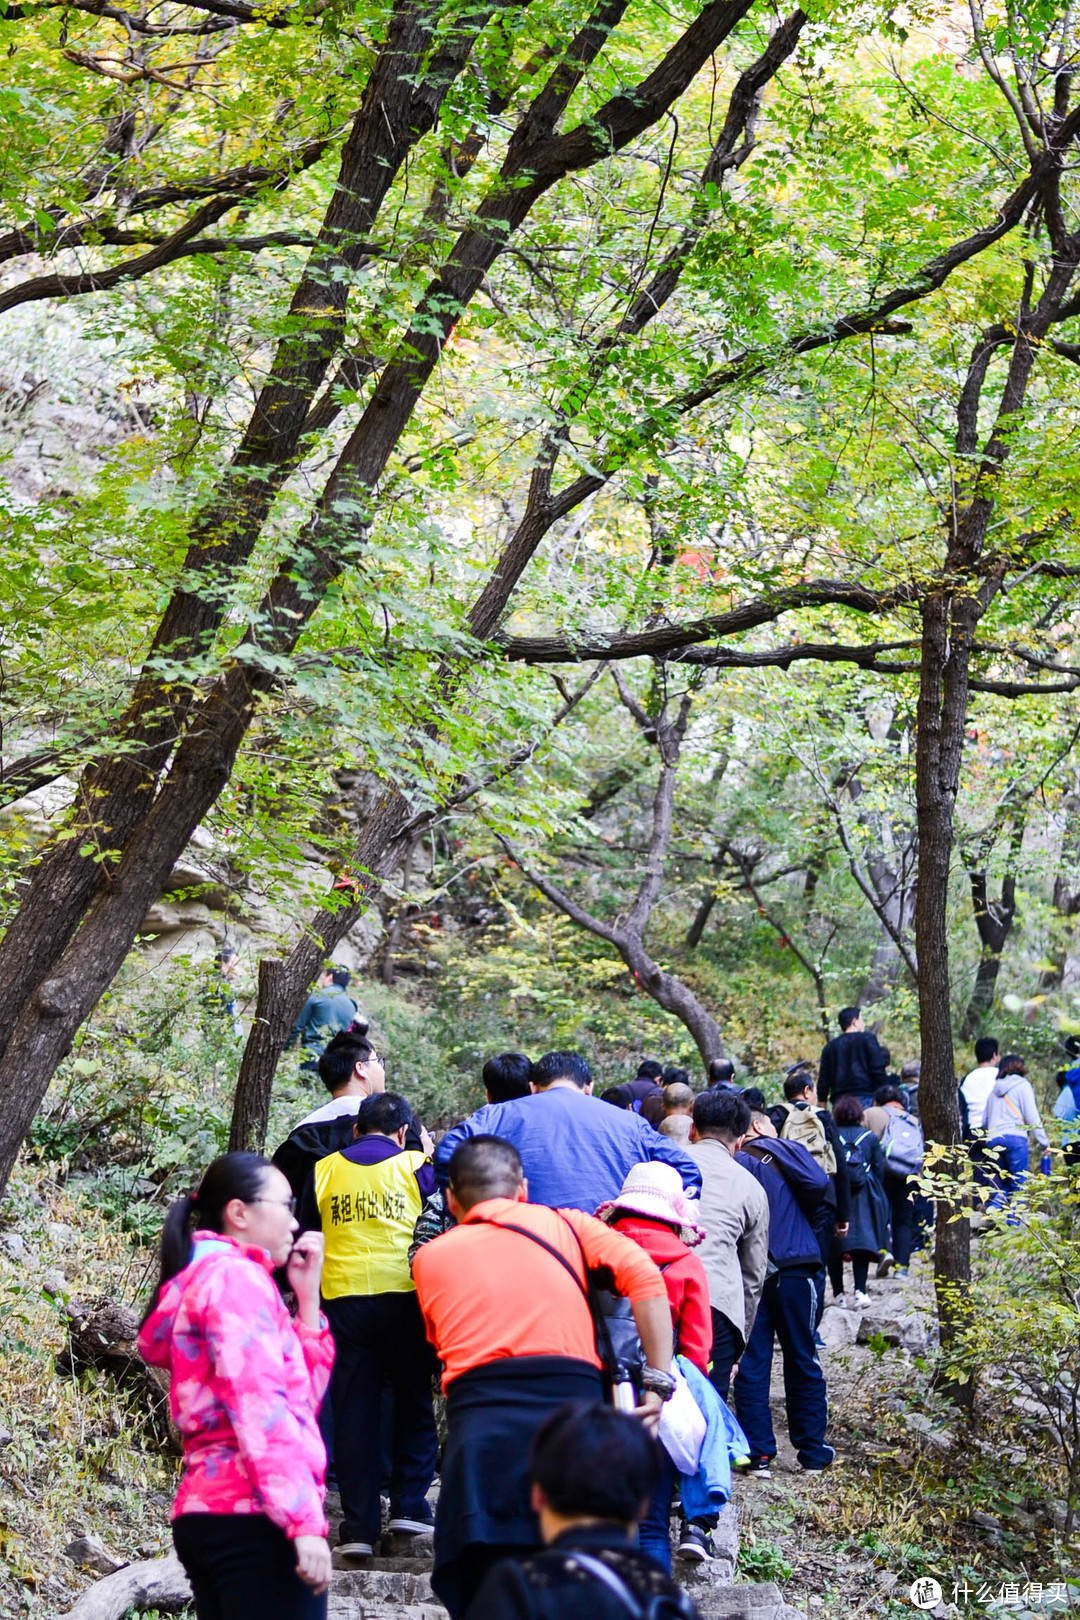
[{"x": 588, "y": 1280}]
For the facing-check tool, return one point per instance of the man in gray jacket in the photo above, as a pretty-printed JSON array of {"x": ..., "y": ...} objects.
[{"x": 735, "y": 1215}]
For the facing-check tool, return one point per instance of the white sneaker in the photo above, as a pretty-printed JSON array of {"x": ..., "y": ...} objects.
[
  {"x": 840, "y": 1301},
  {"x": 355, "y": 1549},
  {"x": 862, "y": 1299}
]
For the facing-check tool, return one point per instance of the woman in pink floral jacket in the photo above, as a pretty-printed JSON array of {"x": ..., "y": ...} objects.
[{"x": 247, "y": 1382}]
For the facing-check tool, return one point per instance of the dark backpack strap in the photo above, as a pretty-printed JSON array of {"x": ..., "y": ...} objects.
[{"x": 607, "y": 1577}]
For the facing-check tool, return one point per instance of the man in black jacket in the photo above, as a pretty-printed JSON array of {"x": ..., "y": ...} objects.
[
  {"x": 795, "y": 1185},
  {"x": 593, "y": 1472},
  {"x": 852, "y": 1062},
  {"x": 351, "y": 1070}
]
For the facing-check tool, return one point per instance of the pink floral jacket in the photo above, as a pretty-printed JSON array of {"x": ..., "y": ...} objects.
[{"x": 247, "y": 1381}]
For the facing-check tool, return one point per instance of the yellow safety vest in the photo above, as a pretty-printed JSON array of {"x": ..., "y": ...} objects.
[{"x": 367, "y": 1213}]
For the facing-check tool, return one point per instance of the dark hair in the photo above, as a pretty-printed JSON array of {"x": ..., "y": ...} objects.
[
  {"x": 619, "y": 1097},
  {"x": 986, "y": 1048},
  {"x": 1012, "y": 1063},
  {"x": 674, "y": 1076},
  {"x": 226, "y": 954},
  {"x": 589, "y": 1459},
  {"x": 384, "y": 1113},
  {"x": 484, "y": 1167},
  {"x": 233, "y": 1175},
  {"x": 887, "y": 1094},
  {"x": 849, "y": 1110},
  {"x": 359, "y": 1026},
  {"x": 649, "y": 1069},
  {"x": 339, "y": 975},
  {"x": 561, "y": 1066},
  {"x": 721, "y": 1113},
  {"x": 912, "y": 1069},
  {"x": 651, "y": 1108},
  {"x": 340, "y": 1057},
  {"x": 507, "y": 1076},
  {"x": 754, "y": 1098},
  {"x": 719, "y": 1070},
  {"x": 796, "y": 1083},
  {"x": 847, "y": 1016}
]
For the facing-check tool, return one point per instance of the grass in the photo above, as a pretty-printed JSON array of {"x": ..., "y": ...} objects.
[{"x": 82, "y": 1458}]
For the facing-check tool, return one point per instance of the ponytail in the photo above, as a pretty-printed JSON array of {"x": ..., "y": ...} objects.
[{"x": 233, "y": 1175}]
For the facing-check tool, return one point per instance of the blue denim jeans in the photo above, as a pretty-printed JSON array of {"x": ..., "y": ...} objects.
[{"x": 1009, "y": 1155}]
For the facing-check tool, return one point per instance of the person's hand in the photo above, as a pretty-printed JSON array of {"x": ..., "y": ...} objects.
[
  {"x": 842, "y": 1231},
  {"x": 648, "y": 1410},
  {"x": 313, "y": 1564},
  {"x": 304, "y": 1271},
  {"x": 427, "y": 1141}
]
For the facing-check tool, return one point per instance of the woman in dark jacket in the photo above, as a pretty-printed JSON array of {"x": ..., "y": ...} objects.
[{"x": 866, "y": 1232}]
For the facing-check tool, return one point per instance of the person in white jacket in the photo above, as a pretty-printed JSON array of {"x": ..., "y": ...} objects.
[{"x": 1011, "y": 1113}]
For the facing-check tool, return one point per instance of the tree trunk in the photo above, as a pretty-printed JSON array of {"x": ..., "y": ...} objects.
[
  {"x": 994, "y": 920},
  {"x": 701, "y": 917},
  {"x": 884, "y": 970},
  {"x": 1066, "y": 898},
  {"x": 946, "y": 648},
  {"x": 251, "y": 1103}
]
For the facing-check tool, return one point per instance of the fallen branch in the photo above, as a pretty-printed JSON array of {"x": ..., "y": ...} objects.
[{"x": 154, "y": 1583}]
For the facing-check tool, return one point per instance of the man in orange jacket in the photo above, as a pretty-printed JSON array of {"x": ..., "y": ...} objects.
[{"x": 504, "y": 1297}]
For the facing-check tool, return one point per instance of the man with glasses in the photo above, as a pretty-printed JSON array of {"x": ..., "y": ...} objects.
[{"x": 366, "y": 1200}]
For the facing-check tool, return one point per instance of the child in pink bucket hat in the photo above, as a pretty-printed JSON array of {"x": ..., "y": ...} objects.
[{"x": 653, "y": 1209}]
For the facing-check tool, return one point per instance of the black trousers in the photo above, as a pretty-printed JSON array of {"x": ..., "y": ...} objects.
[
  {"x": 900, "y": 1192},
  {"x": 242, "y": 1567},
  {"x": 727, "y": 1347},
  {"x": 379, "y": 1342}
]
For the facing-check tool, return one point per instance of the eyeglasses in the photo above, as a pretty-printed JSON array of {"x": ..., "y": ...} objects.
[{"x": 286, "y": 1203}]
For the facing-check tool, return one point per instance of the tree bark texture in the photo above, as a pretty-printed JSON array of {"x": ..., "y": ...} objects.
[{"x": 251, "y": 1100}]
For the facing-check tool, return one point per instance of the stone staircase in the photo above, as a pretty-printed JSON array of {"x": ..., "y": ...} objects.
[{"x": 395, "y": 1583}]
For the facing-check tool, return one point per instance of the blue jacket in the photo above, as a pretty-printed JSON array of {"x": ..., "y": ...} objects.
[
  {"x": 706, "y": 1491},
  {"x": 575, "y": 1149},
  {"x": 795, "y": 1185}
]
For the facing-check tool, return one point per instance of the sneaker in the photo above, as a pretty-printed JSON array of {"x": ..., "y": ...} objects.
[
  {"x": 402, "y": 1525},
  {"x": 900, "y": 1271},
  {"x": 355, "y": 1549},
  {"x": 815, "y": 1468},
  {"x": 885, "y": 1264},
  {"x": 861, "y": 1298},
  {"x": 840, "y": 1301},
  {"x": 695, "y": 1545},
  {"x": 758, "y": 1468}
]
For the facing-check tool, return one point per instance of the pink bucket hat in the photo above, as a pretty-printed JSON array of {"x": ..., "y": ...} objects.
[{"x": 656, "y": 1190}]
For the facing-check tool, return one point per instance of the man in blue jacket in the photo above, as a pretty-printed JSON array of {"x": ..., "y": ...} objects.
[
  {"x": 795, "y": 1185},
  {"x": 575, "y": 1150}
]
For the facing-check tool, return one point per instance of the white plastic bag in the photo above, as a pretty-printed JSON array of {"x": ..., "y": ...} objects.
[{"x": 682, "y": 1426}]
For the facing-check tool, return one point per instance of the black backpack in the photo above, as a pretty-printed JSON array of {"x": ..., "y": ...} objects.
[{"x": 856, "y": 1164}]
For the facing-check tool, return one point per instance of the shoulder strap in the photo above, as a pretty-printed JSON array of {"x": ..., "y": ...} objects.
[
  {"x": 534, "y": 1237},
  {"x": 607, "y": 1576},
  {"x": 601, "y": 1332}
]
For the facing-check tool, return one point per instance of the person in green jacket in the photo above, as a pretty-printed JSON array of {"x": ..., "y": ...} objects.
[{"x": 326, "y": 1012}]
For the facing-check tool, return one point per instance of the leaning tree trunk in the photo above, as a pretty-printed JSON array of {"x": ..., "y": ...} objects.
[
  {"x": 251, "y": 1102},
  {"x": 942, "y": 708},
  {"x": 994, "y": 920}
]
